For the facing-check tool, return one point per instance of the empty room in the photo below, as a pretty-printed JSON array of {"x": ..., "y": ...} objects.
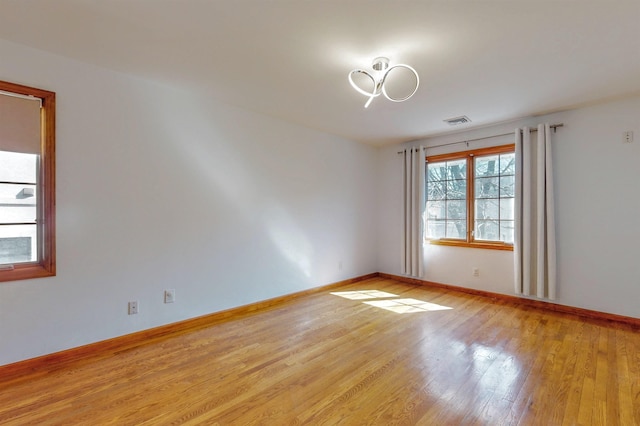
[{"x": 319, "y": 212}]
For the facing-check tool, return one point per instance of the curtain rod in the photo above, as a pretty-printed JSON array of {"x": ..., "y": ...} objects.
[{"x": 553, "y": 126}]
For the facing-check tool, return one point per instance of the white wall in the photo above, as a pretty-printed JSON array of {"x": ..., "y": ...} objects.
[
  {"x": 597, "y": 210},
  {"x": 160, "y": 189}
]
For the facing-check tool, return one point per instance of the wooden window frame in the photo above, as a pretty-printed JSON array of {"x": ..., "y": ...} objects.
[
  {"x": 45, "y": 266},
  {"x": 469, "y": 156}
]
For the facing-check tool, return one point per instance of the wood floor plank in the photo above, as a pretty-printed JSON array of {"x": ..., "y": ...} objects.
[
  {"x": 588, "y": 374},
  {"x": 327, "y": 359},
  {"x": 632, "y": 346}
]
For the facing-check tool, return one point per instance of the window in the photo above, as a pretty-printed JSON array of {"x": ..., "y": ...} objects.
[
  {"x": 27, "y": 182},
  {"x": 470, "y": 198}
]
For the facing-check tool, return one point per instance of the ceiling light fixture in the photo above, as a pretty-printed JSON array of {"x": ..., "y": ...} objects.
[{"x": 381, "y": 71}]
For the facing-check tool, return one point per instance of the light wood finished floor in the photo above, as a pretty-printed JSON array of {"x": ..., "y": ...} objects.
[{"x": 327, "y": 360}]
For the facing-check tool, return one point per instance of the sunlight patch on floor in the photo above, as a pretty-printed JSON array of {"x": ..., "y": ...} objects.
[
  {"x": 391, "y": 301},
  {"x": 363, "y": 294},
  {"x": 405, "y": 306}
]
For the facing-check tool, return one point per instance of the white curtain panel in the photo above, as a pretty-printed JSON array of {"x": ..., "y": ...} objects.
[
  {"x": 413, "y": 209},
  {"x": 534, "y": 240}
]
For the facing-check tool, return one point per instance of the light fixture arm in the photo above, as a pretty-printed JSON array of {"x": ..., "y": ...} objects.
[{"x": 381, "y": 65}]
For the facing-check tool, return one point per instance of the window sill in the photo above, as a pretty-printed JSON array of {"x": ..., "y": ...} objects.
[
  {"x": 26, "y": 272},
  {"x": 475, "y": 244}
]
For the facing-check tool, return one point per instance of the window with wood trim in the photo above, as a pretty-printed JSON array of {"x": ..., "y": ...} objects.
[
  {"x": 27, "y": 182},
  {"x": 470, "y": 198}
]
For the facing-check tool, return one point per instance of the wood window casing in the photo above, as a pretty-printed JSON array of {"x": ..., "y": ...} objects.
[
  {"x": 470, "y": 240},
  {"x": 45, "y": 265}
]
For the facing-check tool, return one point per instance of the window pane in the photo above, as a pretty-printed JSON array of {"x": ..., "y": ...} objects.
[
  {"x": 457, "y": 229},
  {"x": 18, "y": 243},
  {"x": 436, "y": 229},
  {"x": 436, "y": 190},
  {"x": 508, "y": 164},
  {"x": 456, "y": 209},
  {"x": 436, "y": 210},
  {"x": 457, "y": 189},
  {"x": 507, "y": 208},
  {"x": 487, "y": 166},
  {"x": 487, "y": 230},
  {"x": 17, "y": 203},
  {"x": 436, "y": 171},
  {"x": 507, "y": 186},
  {"x": 506, "y": 231},
  {"x": 457, "y": 169},
  {"x": 17, "y": 167},
  {"x": 487, "y": 187},
  {"x": 487, "y": 209}
]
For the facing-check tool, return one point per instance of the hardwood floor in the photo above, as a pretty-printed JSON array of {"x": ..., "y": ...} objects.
[{"x": 325, "y": 359}]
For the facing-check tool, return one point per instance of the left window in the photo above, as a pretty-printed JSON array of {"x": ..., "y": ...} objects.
[{"x": 27, "y": 182}]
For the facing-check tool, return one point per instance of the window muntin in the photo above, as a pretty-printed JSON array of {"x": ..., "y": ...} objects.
[
  {"x": 470, "y": 198},
  {"x": 27, "y": 184}
]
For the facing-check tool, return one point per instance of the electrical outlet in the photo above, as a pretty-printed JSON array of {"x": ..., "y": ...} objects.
[
  {"x": 476, "y": 272},
  {"x": 627, "y": 137},
  {"x": 133, "y": 308},
  {"x": 170, "y": 295}
]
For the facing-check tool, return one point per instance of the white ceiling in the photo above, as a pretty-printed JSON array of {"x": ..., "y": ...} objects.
[{"x": 490, "y": 60}]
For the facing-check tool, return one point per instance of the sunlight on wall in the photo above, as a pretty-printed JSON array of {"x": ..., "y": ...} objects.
[
  {"x": 212, "y": 152},
  {"x": 289, "y": 238}
]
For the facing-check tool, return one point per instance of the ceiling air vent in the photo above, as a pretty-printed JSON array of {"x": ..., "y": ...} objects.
[{"x": 457, "y": 120}]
